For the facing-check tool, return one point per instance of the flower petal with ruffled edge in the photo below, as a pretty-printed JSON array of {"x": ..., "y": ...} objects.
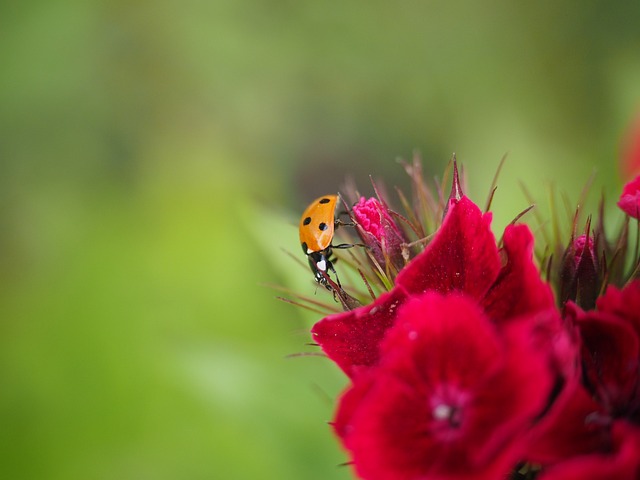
[
  {"x": 451, "y": 395},
  {"x": 463, "y": 255},
  {"x": 518, "y": 289},
  {"x": 351, "y": 338}
]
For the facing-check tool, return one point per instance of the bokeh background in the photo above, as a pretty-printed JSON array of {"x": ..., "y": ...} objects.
[{"x": 154, "y": 159}]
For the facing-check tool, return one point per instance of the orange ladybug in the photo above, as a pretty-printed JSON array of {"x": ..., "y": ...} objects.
[{"x": 317, "y": 226}]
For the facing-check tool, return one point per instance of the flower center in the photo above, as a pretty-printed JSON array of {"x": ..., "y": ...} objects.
[
  {"x": 447, "y": 413},
  {"x": 447, "y": 406},
  {"x": 442, "y": 412}
]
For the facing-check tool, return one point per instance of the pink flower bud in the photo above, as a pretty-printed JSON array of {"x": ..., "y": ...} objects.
[
  {"x": 579, "y": 245},
  {"x": 379, "y": 231},
  {"x": 580, "y": 277}
]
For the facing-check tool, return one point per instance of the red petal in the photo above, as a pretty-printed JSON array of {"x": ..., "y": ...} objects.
[
  {"x": 610, "y": 359},
  {"x": 623, "y": 462},
  {"x": 624, "y": 303},
  {"x": 558, "y": 339},
  {"x": 463, "y": 255},
  {"x": 352, "y": 339},
  {"x": 519, "y": 290},
  {"x": 575, "y": 424},
  {"x": 350, "y": 402}
]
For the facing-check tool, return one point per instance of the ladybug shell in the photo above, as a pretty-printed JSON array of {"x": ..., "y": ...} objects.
[{"x": 317, "y": 224}]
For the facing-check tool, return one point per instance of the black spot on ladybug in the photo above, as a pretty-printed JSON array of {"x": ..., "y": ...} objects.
[
  {"x": 306, "y": 221},
  {"x": 304, "y": 247},
  {"x": 322, "y": 226},
  {"x": 325, "y": 200}
]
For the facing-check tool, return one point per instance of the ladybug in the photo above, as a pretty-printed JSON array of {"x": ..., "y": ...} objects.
[{"x": 317, "y": 225}]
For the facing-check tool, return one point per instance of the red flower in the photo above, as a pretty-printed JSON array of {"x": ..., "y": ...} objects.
[
  {"x": 592, "y": 429},
  {"x": 462, "y": 257},
  {"x": 629, "y": 201},
  {"x": 450, "y": 398}
]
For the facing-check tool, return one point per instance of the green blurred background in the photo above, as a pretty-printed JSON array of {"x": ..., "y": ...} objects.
[{"x": 154, "y": 157}]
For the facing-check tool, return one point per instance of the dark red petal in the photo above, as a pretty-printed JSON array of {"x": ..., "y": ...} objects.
[
  {"x": 462, "y": 257},
  {"x": 624, "y": 303},
  {"x": 352, "y": 339},
  {"x": 558, "y": 339},
  {"x": 451, "y": 395},
  {"x": 610, "y": 358},
  {"x": 574, "y": 425},
  {"x": 622, "y": 462},
  {"x": 519, "y": 290}
]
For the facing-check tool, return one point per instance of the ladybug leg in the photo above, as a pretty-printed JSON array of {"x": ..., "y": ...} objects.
[
  {"x": 348, "y": 245},
  {"x": 338, "y": 222},
  {"x": 326, "y": 284},
  {"x": 333, "y": 270},
  {"x": 331, "y": 259}
]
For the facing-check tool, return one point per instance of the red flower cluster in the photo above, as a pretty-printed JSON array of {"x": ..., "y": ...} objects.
[{"x": 468, "y": 368}]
